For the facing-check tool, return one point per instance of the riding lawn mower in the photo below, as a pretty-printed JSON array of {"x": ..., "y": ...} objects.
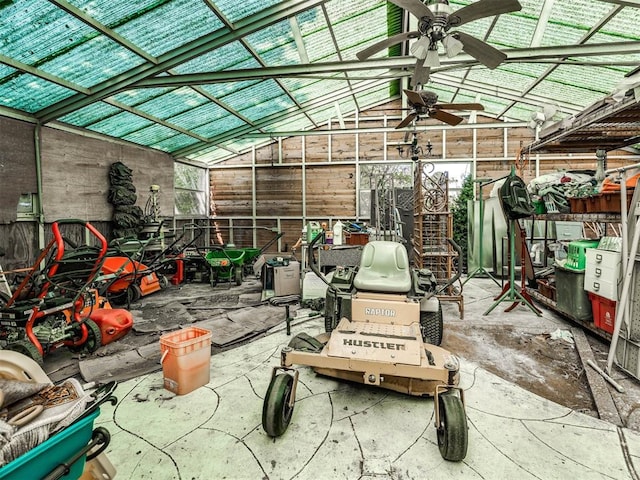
[{"x": 383, "y": 324}]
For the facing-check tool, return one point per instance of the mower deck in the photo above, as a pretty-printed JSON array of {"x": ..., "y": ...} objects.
[{"x": 389, "y": 356}]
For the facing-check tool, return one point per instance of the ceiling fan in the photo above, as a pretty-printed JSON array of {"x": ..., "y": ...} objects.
[
  {"x": 425, "y": 103},
  {"x": 435, "y": 20}
]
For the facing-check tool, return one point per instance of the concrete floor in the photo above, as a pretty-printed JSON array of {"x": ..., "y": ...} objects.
[{"x": 342, "y": 430}]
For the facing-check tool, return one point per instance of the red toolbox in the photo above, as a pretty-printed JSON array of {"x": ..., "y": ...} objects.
[{"x": 604, "y": 312}]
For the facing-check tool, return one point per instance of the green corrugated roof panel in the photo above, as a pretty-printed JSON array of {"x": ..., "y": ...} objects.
[
  {"x": 36, "y": 30},
  {"x": 570, "y": 21},
  {"x": 504, "y": 76},
  {"x": 219, "y": 126},
  {"x": 294, "y": 122},
  {"x": 231, "y": 56},
  {"x": 172, "y": 103},
  {"x": 623, "y": 27},
  {"x": 374, "y": 96},
  {"x": 235, "y": 10},
  {"x": 314, "y": 88},
  {"x": 257, "y": 94},
  {"x": 150, "y": 135},
  {"x": 354, "y": 27},
  {"x": 92, "y": 62},
  {"x": 266, "y": 108},
  {"x": 90, "y": 114},
  {"x": 209, "y": 112},
  {"x": 120, "y": 125},
  {"x": 187, "y": 19},
  {"x": 174, "y": 143},
  {"x": 275, "y": 44},
  {"x": 220, "y": 90},
  {"x": 30, "y": 94},
  {"x": 566, "y": 93},
  {"x": 6, "y": 70},
  {"x": 138, "y": 96},
  {"x": 512, "y": 34},
  {"x": 601, "y": 80}
]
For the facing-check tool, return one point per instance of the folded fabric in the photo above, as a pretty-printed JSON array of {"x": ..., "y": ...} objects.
[
  {"x": 16, "y": 390},
  {"x": 62, "y": 405}
]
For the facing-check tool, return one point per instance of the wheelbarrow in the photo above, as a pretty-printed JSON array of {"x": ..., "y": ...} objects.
[{"x": 225, "y": 265}]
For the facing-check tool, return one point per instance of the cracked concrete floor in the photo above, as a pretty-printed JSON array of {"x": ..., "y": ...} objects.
[{"x": 341, "y": 430}]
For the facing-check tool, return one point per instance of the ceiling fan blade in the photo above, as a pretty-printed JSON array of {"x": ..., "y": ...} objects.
[
  {"x": 482, "y": 9},
  {"x": 459, "y": 106},
  {"x": 416, "y": 7},
  {"x": 414, "y": 97},
  {"x": 407, "y": 120},
  {"x": 386, "y": 43},
  {"x": 445, "y": 117},
  {"x": 483, "y": 52},
  {"x": 420, "y": 74}
]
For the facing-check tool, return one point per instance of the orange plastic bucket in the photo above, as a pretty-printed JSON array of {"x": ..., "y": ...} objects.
[{"x": 186, "y": 358}]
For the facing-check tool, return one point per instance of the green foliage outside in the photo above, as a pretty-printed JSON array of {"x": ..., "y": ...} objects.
[{"x": 459, "y": 210}]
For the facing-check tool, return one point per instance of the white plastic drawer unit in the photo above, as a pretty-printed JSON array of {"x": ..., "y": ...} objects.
[{"x": 602, "y": 274}]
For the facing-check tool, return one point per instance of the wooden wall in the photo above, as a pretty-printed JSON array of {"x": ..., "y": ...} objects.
[{"x": 314, "y": 177}]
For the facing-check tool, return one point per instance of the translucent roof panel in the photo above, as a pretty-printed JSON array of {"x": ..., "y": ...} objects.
[
  {"x": 233, "y": 10},
  {"x": 84, "y": 62},
  {"x": 121, "y": 124},
  {"x": 233, "y": 55},
  {"x": 91, "y": 114},
  {"x": 92, "y": 62},
  {"x": 172, "y": 103},
  {"x": 188, "y": 20},
  {"x": 29, "y": 93}
]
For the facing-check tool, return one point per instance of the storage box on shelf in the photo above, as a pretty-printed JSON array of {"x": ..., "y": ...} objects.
[
  {"x": 572, "y": 299},
  {"x": 576, "y": 255},
  {"x": 604, "y": 312},
  {"x": 603, "y": 273},
  {"x": 577, "y": 205},
  {"x": 547, "y": 289}
]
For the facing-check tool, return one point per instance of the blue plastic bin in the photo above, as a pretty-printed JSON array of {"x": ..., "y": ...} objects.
[{"x": 41, "y": 460}]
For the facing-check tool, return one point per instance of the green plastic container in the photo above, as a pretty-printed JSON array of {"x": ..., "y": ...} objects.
[
  {"x": 41, "y": 460},
  {"x": 571, "y": 298},
  {"x": 577, "y": 254}
]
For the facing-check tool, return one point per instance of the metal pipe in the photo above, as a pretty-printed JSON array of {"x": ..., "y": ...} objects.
[{"x": 38, "y": 160}]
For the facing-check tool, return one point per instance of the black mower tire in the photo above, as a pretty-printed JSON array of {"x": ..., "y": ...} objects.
[
  {"x": 25, "y": 347},
  {"x": 163, "y": 281},
  {"x": 431, "y": 326},
  {"x": 452, "y": 429},
  {"x": 276, "y": 412},
  {"x": 94, "y": 340},
  {"x": 237, "y": 275},
  {"x": 134, "y": 293}
]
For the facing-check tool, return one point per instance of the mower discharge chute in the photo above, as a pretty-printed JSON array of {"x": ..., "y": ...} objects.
[
  {"x": 53, "y": 305},
  {"x": 384, "y": 324}
]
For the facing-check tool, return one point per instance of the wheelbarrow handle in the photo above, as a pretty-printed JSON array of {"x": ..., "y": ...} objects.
[{"x": 100, "y": 436}]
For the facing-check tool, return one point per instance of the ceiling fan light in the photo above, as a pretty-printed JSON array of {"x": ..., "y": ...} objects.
[
  {"x": 432, "y": 59},
  {"x": 420, "y": 48},
  {"x": 452, "y": 46}
]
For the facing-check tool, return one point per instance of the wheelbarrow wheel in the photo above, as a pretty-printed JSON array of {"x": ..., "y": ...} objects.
[
  {"x": 237, "y": 274},
  {"x": 213, "y": 277},
  {"x": 431, "y": 326},
  {"x": 94, "y": 340},
  {"x": 276, "y": 411},
  {"x": 26, "y": 348},
  {"x": 452, "y": 428}
]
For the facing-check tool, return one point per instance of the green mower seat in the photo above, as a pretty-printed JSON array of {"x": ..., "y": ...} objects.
[{"x": 384, "y": 267}]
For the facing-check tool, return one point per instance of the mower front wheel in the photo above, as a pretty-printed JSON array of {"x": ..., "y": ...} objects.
[
  {"x": 27, "y": 348},
  {"x": 431, "y": 326},
  {"x": 452, "y": 428},
  {"x": 93, "y": 342},
  {"x": 276, "y": 409}
]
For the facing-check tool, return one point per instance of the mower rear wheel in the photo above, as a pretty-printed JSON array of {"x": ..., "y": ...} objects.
[
  {"x": 452, "y": 429},
  {"x": 134, "y": 293},
  {"x": 276, "y": 411},
  {"x": 27, "y": 348},
  {"x": 94, "y": 340},
  {"x": 163, "y": 281},
  {"x": 237, "y": 274},
  {"x": 431, "y": 326}
]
